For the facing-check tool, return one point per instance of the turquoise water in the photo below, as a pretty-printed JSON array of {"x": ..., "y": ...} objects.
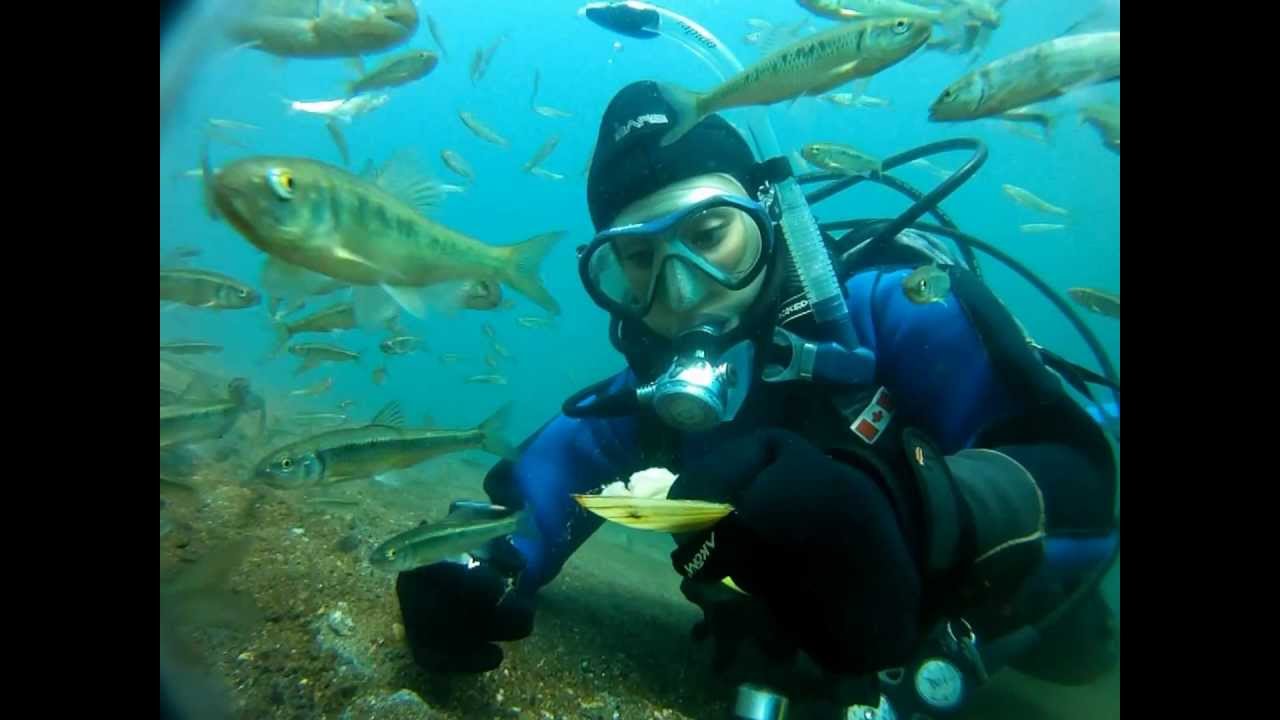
[
  {"x": 580, "y": 70},
  {"x": 581, "y": 66}
]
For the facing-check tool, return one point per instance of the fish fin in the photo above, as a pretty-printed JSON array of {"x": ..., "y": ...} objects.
[
  {"x": 281, "y": 331},
  {"x": 390, "y": 415},
  {"x": 206, "y": 172},
  {"x": 373, "y": 308},
  {"x": 521, "y": 269},
  {"x": 335, "y": 132},
  {"x": 402, "y": 177},
  {"x": 409, "y": 298},
  {"x": 492, "y": 429},
  {"x": 357, "y": 64},
  {"x": 392, "y": 478},
  {"x": 685, "y": 103},
  {"x": 342, "y": 253},
  {"x": 953, "y": 20},
  {"x": 307, "y": 364}
]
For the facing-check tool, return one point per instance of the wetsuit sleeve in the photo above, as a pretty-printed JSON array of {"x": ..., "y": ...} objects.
[
  {"x": 1018, "y": 459},
  {"x": 566, "y": 455}
]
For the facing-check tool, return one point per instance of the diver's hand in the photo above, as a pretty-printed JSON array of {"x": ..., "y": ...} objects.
[
  {"x": 453, "y": 615},
  {"x": 816, "y": 540}
]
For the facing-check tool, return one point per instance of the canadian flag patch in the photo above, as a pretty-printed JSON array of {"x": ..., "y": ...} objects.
[{"x": 875, "y": 418}]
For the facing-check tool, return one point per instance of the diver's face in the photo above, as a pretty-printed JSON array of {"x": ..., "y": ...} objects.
[{"x": 726, "y": 237}]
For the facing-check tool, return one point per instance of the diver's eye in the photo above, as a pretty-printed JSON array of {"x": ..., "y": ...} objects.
[
  {"x": 708, "y": 237},
  {"x": 286, "y": 464},
  {"x": 900, "y": 27},
  {"x": 281, "y": 182}
]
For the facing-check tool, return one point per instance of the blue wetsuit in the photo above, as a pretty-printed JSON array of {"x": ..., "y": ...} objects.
[{"x": 930, "y": 358}]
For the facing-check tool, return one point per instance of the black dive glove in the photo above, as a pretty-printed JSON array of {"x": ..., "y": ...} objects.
[
  {"x": 454, "y": 614},
  {"x": 817, "y": 541}
]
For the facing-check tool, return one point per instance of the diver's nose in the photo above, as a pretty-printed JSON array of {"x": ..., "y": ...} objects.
[{"x": 684, "y": 287}]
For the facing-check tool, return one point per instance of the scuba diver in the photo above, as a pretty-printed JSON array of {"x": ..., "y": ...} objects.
[{"x": 908, "y": 518}]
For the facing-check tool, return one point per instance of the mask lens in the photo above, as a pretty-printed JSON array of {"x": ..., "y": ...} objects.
[{"x": 721, "y": 243}]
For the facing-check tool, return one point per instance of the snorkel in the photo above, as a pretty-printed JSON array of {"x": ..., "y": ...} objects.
[{"x": 838, "y": 354}]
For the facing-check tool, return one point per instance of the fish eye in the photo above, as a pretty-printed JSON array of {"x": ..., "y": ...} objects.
[
  {"x": 286, "y": 464},
  {"x": 900, "y": 26},
  {"x": 946, "y": 94},
  {"x": 281, "y": 182},
  {"x": 244, "y": 293},
  {"x": 391, "y": 553}
]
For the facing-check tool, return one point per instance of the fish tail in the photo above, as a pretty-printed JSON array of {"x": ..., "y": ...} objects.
[
  {"x": 685, "y": 103},
  {"x": 282, "y": 336},
  {"x": 523, "y": 263},
  {"x": 492, "y": 429}
]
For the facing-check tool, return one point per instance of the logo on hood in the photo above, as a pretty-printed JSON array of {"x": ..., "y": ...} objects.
[{"x": 636, "y": 123}]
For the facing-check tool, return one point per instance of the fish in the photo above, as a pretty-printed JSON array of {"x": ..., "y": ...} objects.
[
  {"x": 437, "y": 36},
  {"x": 450, "y": 358},
  {"x": 928, "y": 284},
  {"x": 1040, "y": 227},
  {"x": 490, "y": 361},
  {"x": 316, "y": 354},
  {"x": 398, "y": 70},
  {"x": 501, "y": 350},
  {"x": 181, "y": 382},
  {"x": 207, "y": 421},
  {"x": 480, "y": 130},
  {"x": 344, "y": 404},
  {"x": 1043, "y": 71},
  {"x": 368, "y": 230},
  {"x": 382, "y": 446},
  {"x": 190, "y": 347},
  {"x": 319, "y": 388},
  {"x": 530, "y": 321},
  {"x": 548, "y": 111},
  {"x": 286, "y": 282},
  {"x": 1098, "y": 301},
  {"x": 543, "y": 172},
  {"x": 852, "y": 100},
  {"x": 846, "y": 10},
  {"x": 402, "y": 345},
  {"x": 323, "y": 28},
  {"x": 486, "y": 380},
  {"x": 1028, "y": 200},
  {"x": 1040, "y": 119},
  {"x": 483, "y": 56},
  {"x": 318, "y": 418},
  {"x": 467, "y": 527},
  {"x": 537, "y": 79},
  {"x": 339, "y": 141},
  {"x": 379, "y": 375},
  {"x": 479, "y": 295},
  {"x": 331, "y": 319},
  {"x": 179, "y": 256},
  {"x": 488, "y": 330},
  {"x": 1105, "y": 118},
  {"x": 454, "y": 162},
  {"x": 206, "y": 289},
  {"x": 811, "y": 66},
  {"x": 942, "y": 173},
  {"x": 548, "y": 147},
  {"x": 343, "y": 110},
  {"x": 841, "y": 159}
]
